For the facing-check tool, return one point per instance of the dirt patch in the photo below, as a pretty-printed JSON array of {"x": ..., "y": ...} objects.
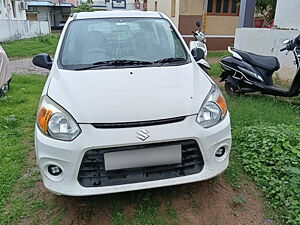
[
  {"x": 213, "y": 202},
  {"x": 82, "y": 211}
]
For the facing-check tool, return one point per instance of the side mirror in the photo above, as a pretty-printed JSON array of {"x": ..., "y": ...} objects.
[
  {"x": 198, "y": 24},
  {"x": 42, "y": 60},
  {"x": 198, "y": 54}
]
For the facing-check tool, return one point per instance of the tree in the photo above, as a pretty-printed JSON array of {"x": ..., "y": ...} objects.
[
  {"x": 84, "y": 7},
  {"x": 266, "y": 8}
]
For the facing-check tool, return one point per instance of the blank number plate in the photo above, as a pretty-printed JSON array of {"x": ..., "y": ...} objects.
[{"x": 143, "y": 157}]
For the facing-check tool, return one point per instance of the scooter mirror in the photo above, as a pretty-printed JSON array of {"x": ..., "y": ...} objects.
[
  {"x": 285, "y": 42},
  {"x": 198, "y": 24},
  {"x": 198, "y": 54}
]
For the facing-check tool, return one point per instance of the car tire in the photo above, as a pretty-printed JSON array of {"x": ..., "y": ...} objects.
[{"x": 4, "y": 89}]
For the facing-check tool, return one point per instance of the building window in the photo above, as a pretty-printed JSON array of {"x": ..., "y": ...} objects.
[
  {"x": 223, "y": 7},
  {"x": 13, "y": 5},
  {"x": 210, "y": 6},
  {"x": 218, "y": 6},
  {"x": 173, "y": 8},
  {"x": 234, "y": 6}
]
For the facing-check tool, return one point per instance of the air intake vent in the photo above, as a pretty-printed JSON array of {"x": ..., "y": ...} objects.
[{"x": 92, "y": 171}]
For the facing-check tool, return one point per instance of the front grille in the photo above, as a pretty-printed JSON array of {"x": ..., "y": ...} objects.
[
  {"x": 92, "y": 171},
  {"x": 138, "y": 123}
]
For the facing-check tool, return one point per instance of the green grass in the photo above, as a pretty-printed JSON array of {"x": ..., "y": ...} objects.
[
  {"x": 17, "y": 115},
  {"x": 217, "y": 54},
  {"x": 271, "y": 115},
  {"x": 215, "y": 70},
  {"x": 32, "y": 46},
  {"x": 270, "y": 155}
]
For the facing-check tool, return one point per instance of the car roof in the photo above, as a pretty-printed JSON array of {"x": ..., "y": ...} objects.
[{"x": 117, "y": 14}]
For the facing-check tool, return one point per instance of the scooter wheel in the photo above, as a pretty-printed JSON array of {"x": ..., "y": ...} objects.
[{"x": 230, "y": 89}]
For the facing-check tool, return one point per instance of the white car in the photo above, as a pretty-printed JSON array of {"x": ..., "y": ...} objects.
[{"x": 126, "y": 107}]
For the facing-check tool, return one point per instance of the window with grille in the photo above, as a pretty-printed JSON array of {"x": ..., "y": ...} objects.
[{"x": 223, "y": 7}]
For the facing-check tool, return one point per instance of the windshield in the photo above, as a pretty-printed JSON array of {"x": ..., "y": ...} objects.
[{"x": 124, "y": 41}]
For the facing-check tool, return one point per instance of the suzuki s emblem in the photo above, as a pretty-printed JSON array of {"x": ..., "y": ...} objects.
[{"x": 142, "y": 134}]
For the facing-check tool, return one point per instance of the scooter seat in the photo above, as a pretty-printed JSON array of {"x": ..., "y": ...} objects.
[{"x": 269, "y": 63}]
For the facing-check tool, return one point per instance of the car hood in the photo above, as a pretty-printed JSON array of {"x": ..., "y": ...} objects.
[{"x": 129, "y": 94}]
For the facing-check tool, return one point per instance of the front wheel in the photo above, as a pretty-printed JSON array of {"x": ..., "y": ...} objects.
[
  {"x": 230, "y": 89},
  {"x": 4, "y": 89}
]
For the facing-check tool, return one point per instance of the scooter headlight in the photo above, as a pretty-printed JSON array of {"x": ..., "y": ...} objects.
[
  {"x": 213, "y": 109},
  {"x": 55, "y": 122}
]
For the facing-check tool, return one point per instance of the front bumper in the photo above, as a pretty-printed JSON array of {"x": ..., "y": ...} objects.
[{"x": 68, "y": 155}]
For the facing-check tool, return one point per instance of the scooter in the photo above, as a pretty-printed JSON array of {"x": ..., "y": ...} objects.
[
  {"x": 199, "y": 49},
  {"x": 246, "y": 72}
]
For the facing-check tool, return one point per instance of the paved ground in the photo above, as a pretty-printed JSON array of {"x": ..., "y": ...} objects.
[
  {"x": 25, "y": 66},
  {"x": 213, "y": 60}
]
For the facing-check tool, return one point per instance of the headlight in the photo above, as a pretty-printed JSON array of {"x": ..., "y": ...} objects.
[
  {"x": 55, "y": 122},
  {"x": 213, "y": 109}
]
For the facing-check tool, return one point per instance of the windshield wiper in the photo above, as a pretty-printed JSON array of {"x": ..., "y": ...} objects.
[
  {"x": 169, "y": 60},
  {"x": 115, "y": 63},
  {"x": 123, "y": 62}
]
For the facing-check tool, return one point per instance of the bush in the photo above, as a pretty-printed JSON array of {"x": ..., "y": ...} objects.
[
  {"x": 270, "y": 155},
  {"x": 84, "y": 7},
  {"x": 266, "y": 8}
]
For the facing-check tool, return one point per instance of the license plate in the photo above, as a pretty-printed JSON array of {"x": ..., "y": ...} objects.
[{"x": 143, "y": 157}]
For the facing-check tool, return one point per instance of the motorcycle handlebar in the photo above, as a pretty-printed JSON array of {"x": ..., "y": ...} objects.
[
  {"x": 283, "y": 49},
  {"x": 292, "y": 44}
]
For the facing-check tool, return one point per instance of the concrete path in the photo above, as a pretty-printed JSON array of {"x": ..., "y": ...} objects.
[
  {"x": 25, "y": 66},
  {"x": 213, "y": 60}
]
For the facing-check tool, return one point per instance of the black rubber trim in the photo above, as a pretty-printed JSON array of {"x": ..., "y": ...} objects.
[
  {"x": 92, "y": 171},
  {"x": 138, "y": 124}
]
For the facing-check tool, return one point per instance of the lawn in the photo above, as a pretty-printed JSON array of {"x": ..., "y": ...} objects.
[
  {"x": 32, "y": 46},
  {"x": 270, "y": 123},
  {"x": 217, "y": 54},
  {"x": 17, "y": 116}
]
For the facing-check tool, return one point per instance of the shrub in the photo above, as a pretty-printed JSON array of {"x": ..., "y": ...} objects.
[
  {"x": 270, "y": 155},
  {"x": 266, "y": 8},
  {"x": 84, "y": 7}
]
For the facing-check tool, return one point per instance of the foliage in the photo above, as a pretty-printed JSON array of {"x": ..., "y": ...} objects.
[
  {"x": 238, "y": 199},
  {"x": 218, "y": 54},
  {"x": 266, "y": 8},
  {"x": 270, "y": 155},
  {"x": 32, "y": 46},
  {"x": 84, "y": 7}
]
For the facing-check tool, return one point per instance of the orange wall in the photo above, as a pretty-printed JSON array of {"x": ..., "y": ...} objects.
[{"x": 221, "y": 25}]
